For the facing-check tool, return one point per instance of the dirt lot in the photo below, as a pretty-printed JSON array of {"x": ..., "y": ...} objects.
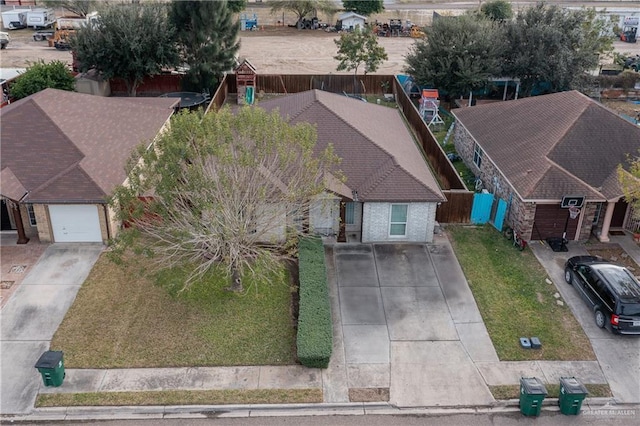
[{"x": 273, "y": 50}]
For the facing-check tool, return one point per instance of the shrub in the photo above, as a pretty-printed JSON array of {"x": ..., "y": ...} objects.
[
  {"x": 40, "y": 76},
  {"x": 315, "y": 332}
]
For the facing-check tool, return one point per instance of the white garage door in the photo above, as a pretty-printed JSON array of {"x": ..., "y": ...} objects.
[{"x": 75, "y": 223}]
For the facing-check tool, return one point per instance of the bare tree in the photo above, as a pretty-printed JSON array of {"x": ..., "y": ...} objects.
[{"x": 226, "y": 191}]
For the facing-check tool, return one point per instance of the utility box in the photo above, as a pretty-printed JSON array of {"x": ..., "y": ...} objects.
[
  {"x": 51, "y": 367},
  {"x": 572, "y": 393},
  {"x": 532, "y": 393}
]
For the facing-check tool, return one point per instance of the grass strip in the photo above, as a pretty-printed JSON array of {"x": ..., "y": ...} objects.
[
  {"x": 513, "y": 391},
  {"x": 182, "y": 397},
  {"x": 515, "y": 300}
]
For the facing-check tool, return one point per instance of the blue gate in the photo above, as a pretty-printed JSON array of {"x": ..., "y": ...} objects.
[
  {"x": 481, "y": 210},
  {"x": 501, "y": 210}
]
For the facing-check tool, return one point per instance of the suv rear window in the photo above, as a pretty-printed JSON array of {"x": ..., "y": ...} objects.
[
  {"x": 630, "y": 309},
  {"x": 622, "y": 282}
]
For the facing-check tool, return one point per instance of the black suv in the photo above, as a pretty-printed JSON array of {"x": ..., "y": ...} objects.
[{"x": 611, "y": 290}]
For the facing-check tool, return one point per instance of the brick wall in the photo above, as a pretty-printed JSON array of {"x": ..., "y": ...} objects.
[{"x": 420, "y": 222}]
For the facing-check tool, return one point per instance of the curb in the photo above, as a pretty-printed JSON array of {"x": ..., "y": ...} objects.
[{"x": 590, "y": 405}]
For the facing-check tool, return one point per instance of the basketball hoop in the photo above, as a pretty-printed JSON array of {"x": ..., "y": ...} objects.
[{"x": 574, "y": 212}]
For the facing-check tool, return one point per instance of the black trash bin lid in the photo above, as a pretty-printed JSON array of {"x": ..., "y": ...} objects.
[
  {"x": 533, "y": 386},
  {"x": 49, "y": 359},
  {"x": 572, "y": 386}
]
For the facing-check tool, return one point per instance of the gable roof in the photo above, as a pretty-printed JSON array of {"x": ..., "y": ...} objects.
[
  {"x": 554, "y": 145},
  {"x": 380, "y": 158},
  {"x": 347, "y": 15},
  {"x": 66, "y": 147}
]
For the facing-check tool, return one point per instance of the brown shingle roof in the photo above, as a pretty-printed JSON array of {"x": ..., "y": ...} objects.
[
  {"x": 553, "y": 145},
  {"x": 71, "y": 147},
  {"x": 380, "y": 159}
]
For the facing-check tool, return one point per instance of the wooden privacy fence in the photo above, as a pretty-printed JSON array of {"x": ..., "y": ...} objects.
[
  {"x": 457, "y": 209},
  {"x": 338, "y": 83},
  {"x": 151, "y": 86}
]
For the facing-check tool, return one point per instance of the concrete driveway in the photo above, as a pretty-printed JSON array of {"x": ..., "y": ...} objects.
[
  {"x": 410, "y": 324},
  {"x": 33, "y": 314},
  {"x": 619, "y": 356}
]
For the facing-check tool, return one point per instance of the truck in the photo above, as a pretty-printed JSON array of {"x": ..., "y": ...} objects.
[
  {"x": 40, "y": 18},
  {"x": 63, "y": 29},
  {"x": 14, "y": 19},
  {"x": 630, "y": 29}
]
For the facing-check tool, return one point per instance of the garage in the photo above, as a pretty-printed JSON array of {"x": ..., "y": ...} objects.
[
  {"x": 75, "y": 223},
  {"x": 550, "y": 222}
]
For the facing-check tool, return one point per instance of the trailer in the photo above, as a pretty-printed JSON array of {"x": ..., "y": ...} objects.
[
  {"x": 14, "y": 19},
  {"x": 40, "y": 18}
]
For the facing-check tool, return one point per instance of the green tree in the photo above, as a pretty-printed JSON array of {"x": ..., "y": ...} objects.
[
  {"x": 458, "y": 54},
  {"x": 225, "y": 186},
  {"x": 359, "y": 47},
  {"x": 78, "y": 7},
  {"x": 237, "y": 6},
  {"x": 629, "y": 179},
  {"x": 497, "y": 10},
  {"x": 129, "y": 41},
  {"x": 363, "y": 7},
  {"x": 207, "y": 36},
  {"x": 302, "y": 8},
  {"x": 554, "y": 46},
  {"x": 41, "y": 75}
]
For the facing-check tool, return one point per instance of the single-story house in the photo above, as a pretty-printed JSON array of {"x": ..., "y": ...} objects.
[
  {"x": 351, "y": 21},
  {"x": 390, "y": 193},
  {"x": 550, "y": 158},
  {"x": 63, "y": 153}
]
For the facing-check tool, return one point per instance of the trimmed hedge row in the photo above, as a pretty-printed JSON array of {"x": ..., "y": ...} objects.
[{"x": 315, "y": 331}]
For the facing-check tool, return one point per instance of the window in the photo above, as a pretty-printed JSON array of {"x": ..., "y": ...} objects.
[
  {"x": 478, "y": 153},
  {"x": 32, "y": 215},
  {"x": 398, "y": 223},
  {"x": 349, "y": 213}
]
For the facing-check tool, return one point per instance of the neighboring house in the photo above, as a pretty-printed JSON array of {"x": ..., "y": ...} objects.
[
  {"x": 532, "y": 153},
  {"x": 63, "y": 153},
  {"x": 351, "y": 20},
  {"x": 390, "y": 193}
]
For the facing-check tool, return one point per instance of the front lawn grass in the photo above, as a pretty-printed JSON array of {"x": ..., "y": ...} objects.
[
  {"x": 182, "y": 397},
  {"x": 126, "y": 318},
  {"x": 515, "y": 300}
]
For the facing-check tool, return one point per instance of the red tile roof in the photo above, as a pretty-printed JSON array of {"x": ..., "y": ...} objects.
[
  {"x": 380, "y": 158},
  {"x": 64, "y": 147},
  {"x": 553, "y": 145}
]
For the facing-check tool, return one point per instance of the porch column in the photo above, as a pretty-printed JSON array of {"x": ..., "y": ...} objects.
[
  {"x": 17, "y": 217},
  {"x": 606, "y": 223}
]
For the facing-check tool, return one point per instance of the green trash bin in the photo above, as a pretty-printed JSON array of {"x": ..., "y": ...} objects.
[
  {"x": 532, "y": 393},
  {"x": 51, "y": 367},
  {"x": 572, "y": 393}
]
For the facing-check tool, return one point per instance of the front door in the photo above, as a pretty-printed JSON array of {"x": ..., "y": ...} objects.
[{"x": 7, "y": 223}]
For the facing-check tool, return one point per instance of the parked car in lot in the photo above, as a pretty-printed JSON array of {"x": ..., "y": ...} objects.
[{"x": 609, "y": 289}]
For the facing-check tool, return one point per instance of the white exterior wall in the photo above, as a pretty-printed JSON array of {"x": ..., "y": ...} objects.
[
  {"x": 272, "y": 223},
  {"x": 421, "y": 218}
]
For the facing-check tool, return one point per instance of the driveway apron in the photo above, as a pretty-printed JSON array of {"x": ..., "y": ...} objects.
[
  {"x": 407, "y": 329},
  {"x": 33, "y": 314}
]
